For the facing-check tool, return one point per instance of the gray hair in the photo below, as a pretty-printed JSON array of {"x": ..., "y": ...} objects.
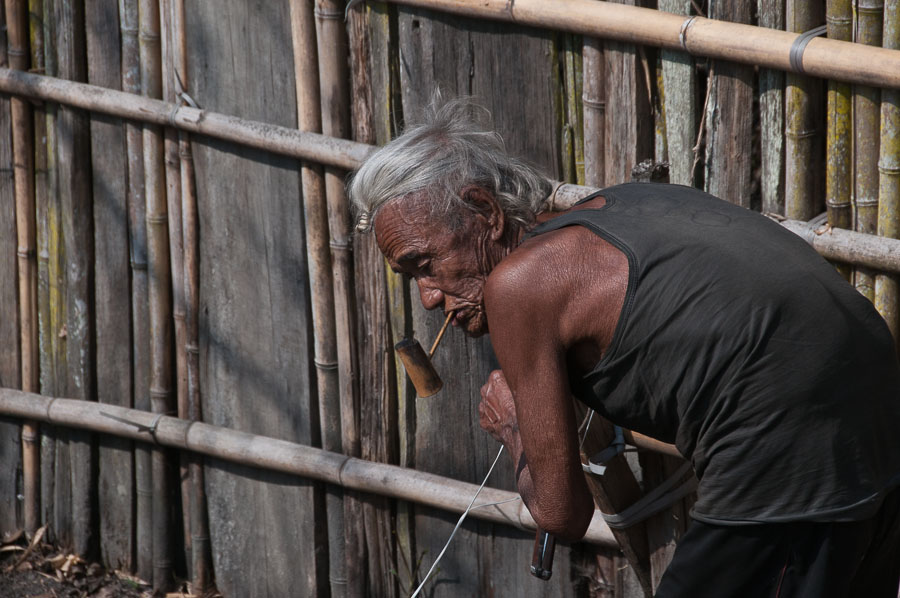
[{"x": 438, "y": 158}]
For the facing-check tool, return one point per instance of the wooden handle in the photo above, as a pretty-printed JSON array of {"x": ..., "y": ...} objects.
[{"x": 542, "y": 560}]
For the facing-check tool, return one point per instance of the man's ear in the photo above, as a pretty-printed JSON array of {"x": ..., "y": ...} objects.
[{"x": 485, "y": 205}]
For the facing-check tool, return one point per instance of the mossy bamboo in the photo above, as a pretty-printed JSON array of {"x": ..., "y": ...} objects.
[
  {"x": 771, "y": 111},
  {"x": 74, "y": 168},
  {"x": 56, "y": 279},
  {"x": 201, "y": 562},
  {"x": 137, "y": 235},
  {"x": 802, "y": 128},
  {"x": 26, "y": 230},
  {"x": 322, "y": 288},
  {"x": 839, "y": 140},
  {"x": 680, "y": 103},
  {"x": 159, "y": 288},
  {"x": 868, "y": 17},
  {"x": 594, "y": 110},
  {"x": 887, "y": 294}
]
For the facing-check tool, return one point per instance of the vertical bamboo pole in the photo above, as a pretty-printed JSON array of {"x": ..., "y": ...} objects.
[
  {"x": 680, "y": 85},
  {"x": 201, "y": 567},
  {"x": 868, "y": 17},
  {"x": 594, "y": 106},
  {"x": 803, "y": 137},
  {"x": 140, "y": 315},
  {"x": 573, "y": 128},
  {"x": 159, "y": 287},
  {"x": 322, "y": 285},
  {"x": 334, "y": 97},
  {"x": 887, "y": 294},
  {"x": 74, "y": 171},
  {"x": 23, "y": 169},
  {"x": 729, "y": 123},
  {"x": 771, "y": 116},
  {"x": 176, "y": 246},
  {"x": 839, "y": 139},
  {"x": 56, "y": 276}
]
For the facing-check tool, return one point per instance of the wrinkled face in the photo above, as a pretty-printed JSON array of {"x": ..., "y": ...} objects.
[{"x": 450, "y": 264}]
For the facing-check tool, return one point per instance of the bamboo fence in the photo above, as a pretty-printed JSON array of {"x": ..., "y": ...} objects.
[{"x": 164, "y": 236}]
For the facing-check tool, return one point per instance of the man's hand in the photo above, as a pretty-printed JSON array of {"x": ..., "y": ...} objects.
[{"x": 497, "y": 410}]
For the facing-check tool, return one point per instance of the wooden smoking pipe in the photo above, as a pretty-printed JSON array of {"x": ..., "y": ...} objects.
[{"x": 427, "y": 382}]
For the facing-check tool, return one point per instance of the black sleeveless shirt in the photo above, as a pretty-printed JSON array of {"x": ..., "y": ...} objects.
[{"x": 745, "y": 348}]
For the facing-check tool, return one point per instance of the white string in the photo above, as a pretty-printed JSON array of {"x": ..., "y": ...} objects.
[{"x": 458, "y": 523}]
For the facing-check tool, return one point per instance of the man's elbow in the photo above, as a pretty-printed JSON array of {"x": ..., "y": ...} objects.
[{"x": 568, "y": 523}]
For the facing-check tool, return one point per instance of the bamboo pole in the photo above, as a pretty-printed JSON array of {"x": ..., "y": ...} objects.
[
  {"x": 26, "y": 231},
  {"x": 680, "y": 86},
  {"x": 745, "y": 44},
  {"x": 320, "y": 148},
  {"x": 771, "y": 109},
  {"x": 201, "y": 565},
  {"x": 868, "y": 17},
  {"x": 159, "y": 288},
  {"x": 594, "y": 108},
  {"x": 176, "y": 247},
  {"x": 137, "y": 234},
  {"x": 56, "y": 276},
  {"x": 279, "y": 455},
  {"x": 315, "y": 210},
  {"x": 887, "y": 294},
  {"x": 839, "y": 142},
  {"x": 802, "y": 129},
  {"x": 331, "y": 38},
  {"x": 74, "y": 168}
]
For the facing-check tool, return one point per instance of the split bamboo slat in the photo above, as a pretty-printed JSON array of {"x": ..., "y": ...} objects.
[
  {"x": 74, "y": 179},
  {"x": 680, "y": 85},
  {"x": 51, "y": 444},
  {"x": 280, "y": 455},
  {"x": 332, "y": 46},
  {"x": 140, "y": 315},
  {"x": 594, "y": 109},
  {"x": 161, "y": 400},
  {"x": 315, "y": 210},
  {"x": 887, "y": 294},
  {"x": 839, "y": 141},
  {"x": 42, "y": 201},
  {"x": 201, "y": 557},
  {"x": 771, "y": 117},
  {"x": 114, "y": 488},
  {"x": 176, "y": 247},
  {"x": 868, "y": 16},
  {"x": 26, "y": 231},
  {"x": 728, "y": 170},
  {"x": 802, "y": 130}
]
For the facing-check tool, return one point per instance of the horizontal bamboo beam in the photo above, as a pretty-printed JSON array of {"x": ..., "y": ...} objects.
[
  {"x": 699, "y": 36},
  {"x": 849, "y": 247},
  {"x": 853, "y": 248},
  {"x": 279, "y": 455},
  {"x": 280, "y": 140}
]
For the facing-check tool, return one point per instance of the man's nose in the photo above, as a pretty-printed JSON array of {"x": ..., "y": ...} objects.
[{"x": 431, "y": 296}]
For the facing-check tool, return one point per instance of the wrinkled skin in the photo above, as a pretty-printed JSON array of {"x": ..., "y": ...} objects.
[{"x": 551, "y": 305}]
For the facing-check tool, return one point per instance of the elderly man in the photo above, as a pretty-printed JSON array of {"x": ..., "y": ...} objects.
[{"x": 679, "y": 316}]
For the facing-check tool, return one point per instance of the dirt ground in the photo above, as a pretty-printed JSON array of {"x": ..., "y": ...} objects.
[{"x": 38, "y": 570}]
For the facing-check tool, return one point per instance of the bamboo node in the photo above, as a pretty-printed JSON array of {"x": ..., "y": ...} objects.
[
  {"x": 682, "y": 34},
  {"x": 799, "y": 45},
  {"x": 340, "y": 245},
  {"x": 149, "y": 36},
  {"x": 888, "y": 167},
  {"x": 325, "y": 365},
  {"x": 30, "y": 438},
  {"x": 138, "y": 265},
  {"x": 839, "y": 20},
  {"x": 162, "y": 218},
  {"x": 192, "y": 348},
  {"x": 159, "y": 393},
  {"x": 26, "y": 252},
  {"x": 16, "y": 52},
  {"x": 837, "y": 204},
  {"x": 867, "y": 202},
  {"x": 598, "y": 105},
  {"x": 328, "y": 14},
  {"x": 802, "y": 134}
]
